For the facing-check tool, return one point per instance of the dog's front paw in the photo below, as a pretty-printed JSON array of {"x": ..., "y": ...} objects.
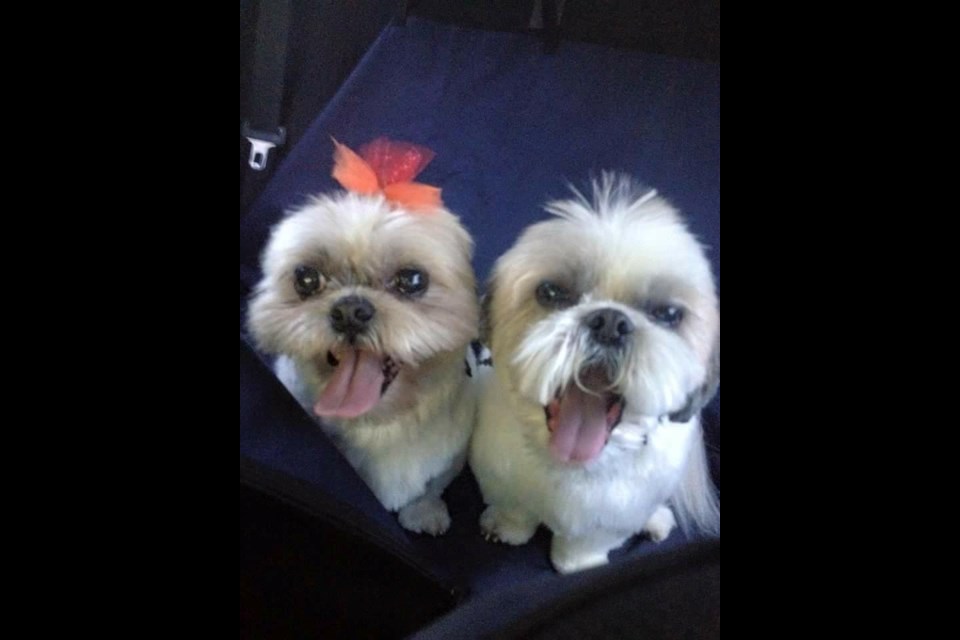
[
  {"x": 427, "y": 515},
  {"x": 570, "y": 557},
  {"x": 511, "y": 527},
  {"x": 569, "y": 554},
  {"x": 660, "y": 524}
]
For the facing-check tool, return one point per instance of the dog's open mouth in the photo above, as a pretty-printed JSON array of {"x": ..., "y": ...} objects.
[
  {"x": 359, "y": 379},
  {"x": 580, "y": 421}
]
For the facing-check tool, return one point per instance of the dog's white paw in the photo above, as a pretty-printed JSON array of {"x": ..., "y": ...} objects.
[
  {"x": 569, "y": 558},
  {"x": 660, "y": 524},
  {"x": 427, "y": 515},
  {"x": 510, "y": 527},
  {"x": 569, "y": 554}
]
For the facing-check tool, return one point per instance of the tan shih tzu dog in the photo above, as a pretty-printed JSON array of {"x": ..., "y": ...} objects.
[
  {"x": 604, "y": 329},
  {"x": 370, "y": 301}
]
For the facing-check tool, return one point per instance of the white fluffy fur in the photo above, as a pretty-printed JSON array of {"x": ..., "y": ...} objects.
[
  {"x": 413, "y": 442},
  {"x": 414, "y": 456},
  {"x": 623, "y": 247}
]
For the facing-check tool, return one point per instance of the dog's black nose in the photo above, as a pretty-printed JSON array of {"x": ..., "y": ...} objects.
[
  {"x": 351, "y": 315},
  {"x": 608, "y": 326}
]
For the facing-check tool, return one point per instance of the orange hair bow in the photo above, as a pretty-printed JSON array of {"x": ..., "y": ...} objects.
[{"x": 387, "y": 167}]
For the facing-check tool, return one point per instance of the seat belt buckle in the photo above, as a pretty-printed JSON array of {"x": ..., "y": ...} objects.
[{"x": 260, "y": 144}]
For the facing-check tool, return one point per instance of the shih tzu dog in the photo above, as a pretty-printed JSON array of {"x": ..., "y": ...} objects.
[
  {"x": 604, "y": 329},
  {"x": 368, "y": 296}
]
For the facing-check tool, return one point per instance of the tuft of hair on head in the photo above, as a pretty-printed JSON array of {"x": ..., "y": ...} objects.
[{"x": 614, "y": 196}]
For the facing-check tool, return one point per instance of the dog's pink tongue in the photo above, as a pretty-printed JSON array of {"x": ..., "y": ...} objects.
[
  {"x": 578, "y": 429},
  {"x": 355, "y": 386}
]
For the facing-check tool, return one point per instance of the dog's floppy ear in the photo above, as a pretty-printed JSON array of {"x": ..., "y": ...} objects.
[{"x": 700, "y": 397}]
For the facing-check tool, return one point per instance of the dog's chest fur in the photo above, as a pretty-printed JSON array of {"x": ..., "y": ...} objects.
[
  {"x": 399, "y": 457},
  {"x": 637, "y": 471}
]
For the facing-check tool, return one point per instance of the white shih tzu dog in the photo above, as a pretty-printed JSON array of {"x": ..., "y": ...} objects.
[
  {"x": 604, "y": 329},
  {"x": 369, "y": 299}
]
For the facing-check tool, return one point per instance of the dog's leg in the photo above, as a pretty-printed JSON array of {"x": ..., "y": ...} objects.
[
  {"x": 570, "y": 554},
  {"x": 660, "y": 524},
  {"x": 428, "y": 513},
  {"x": 512, "y": 526}
]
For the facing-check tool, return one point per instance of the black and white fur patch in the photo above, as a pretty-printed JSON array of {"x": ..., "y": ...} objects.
[{"x": 477, "y": 356}]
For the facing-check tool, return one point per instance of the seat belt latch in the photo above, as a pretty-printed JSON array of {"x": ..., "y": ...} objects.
[{"x": 260, "y": 144}]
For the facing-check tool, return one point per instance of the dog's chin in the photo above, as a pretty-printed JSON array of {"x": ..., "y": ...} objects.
[
  {"x": 582, "y": 415},
  {"x": 357, "y": 381}
]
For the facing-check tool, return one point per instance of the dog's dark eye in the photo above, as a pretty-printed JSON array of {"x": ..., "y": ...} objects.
[
  {"x": 410, "y": 282},
  {"x": 667, "y": 315},
  {"x": 307, "y": 281},
  {"x": 553, "y": 295}
]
